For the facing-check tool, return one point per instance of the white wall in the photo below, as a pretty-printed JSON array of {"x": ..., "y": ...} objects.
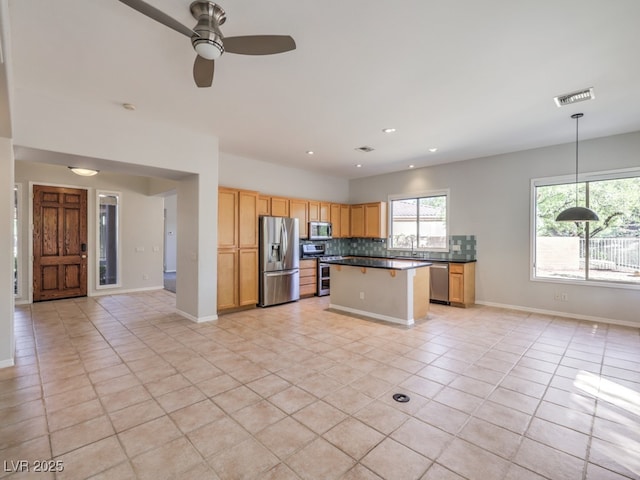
[
  {"x": 271, "y": 179},
  {"x": 491, "y": 198},
  {"x": 6, "y": 253},
  {"x": 101, "y": 129},
  {"x": 141, "y": 225}
]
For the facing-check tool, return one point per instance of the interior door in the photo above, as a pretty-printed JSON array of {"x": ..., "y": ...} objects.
[{"x": 59, "y": 243}]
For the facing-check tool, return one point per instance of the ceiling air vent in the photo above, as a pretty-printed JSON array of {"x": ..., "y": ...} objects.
[
  {"x": 365, "y": 149},
  {"x": 574, "y": 97}
]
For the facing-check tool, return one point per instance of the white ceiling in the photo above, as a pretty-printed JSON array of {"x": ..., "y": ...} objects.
[{"x": 468, "y": 77}]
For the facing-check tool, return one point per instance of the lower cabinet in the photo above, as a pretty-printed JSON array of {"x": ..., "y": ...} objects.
[
  {"x": 462, "y": 284},
  {"x": 308, "y": 269},
  {"x": 237, "y": 278}
]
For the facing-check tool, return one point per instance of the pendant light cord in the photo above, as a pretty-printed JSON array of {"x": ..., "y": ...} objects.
[
  {"x": 577, "y": 120},
  {"x": 577, "y": 117}
]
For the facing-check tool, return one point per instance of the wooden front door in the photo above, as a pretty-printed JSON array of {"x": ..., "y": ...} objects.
[{"x": 59, "y": 243}]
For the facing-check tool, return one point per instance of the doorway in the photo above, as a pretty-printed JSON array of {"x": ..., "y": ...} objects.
[{"x": 59, "y": 242}]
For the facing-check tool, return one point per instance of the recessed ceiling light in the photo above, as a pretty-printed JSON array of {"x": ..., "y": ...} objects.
[
  {"x": 433, "y": 150},
  {"x": 412, "y": 166},
  {"x": 310, "y": 152},
  {"x": 128, "y": 106},
  {"x": 358, "y": 165},
  {"x": 388, "y": 130}
]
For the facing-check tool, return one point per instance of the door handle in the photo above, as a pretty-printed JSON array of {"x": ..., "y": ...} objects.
[{"x": 83, "y": 256}]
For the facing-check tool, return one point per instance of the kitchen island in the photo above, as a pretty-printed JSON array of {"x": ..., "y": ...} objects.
[{"x": 392, "y": 290}]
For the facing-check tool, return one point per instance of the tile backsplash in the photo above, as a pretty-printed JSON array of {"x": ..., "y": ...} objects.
[{"x": 374, "y": 247}]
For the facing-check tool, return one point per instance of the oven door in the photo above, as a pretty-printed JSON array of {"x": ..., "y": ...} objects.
[{"x": 323, "y": 279}]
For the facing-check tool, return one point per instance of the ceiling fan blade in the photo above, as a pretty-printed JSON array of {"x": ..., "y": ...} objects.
[
  {"x": 203, "y": 71},
  {"x": 259, "y": 44},
  {"x": 159, "y": 16}
]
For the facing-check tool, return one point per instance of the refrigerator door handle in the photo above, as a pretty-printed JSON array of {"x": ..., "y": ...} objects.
[
  {"x": 285, "y": 243},
  {"x": 281, "y": 273}
]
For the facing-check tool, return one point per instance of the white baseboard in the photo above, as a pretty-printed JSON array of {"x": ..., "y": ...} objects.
[
  {"x": 9, "y": 362},
  {"x": 375, "y": 316},
  {"x": 188, "y": 316},
  {"x": 574, "y": 316},
  {"x": 117, "y": 291}
]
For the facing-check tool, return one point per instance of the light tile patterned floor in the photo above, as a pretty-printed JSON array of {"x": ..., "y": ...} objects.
[{"x": 121, "y": 387}]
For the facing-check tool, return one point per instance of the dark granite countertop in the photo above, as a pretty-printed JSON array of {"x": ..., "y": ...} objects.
[
  {"x": 426, "y": 259},
  {"x": 377, "y": 262}
]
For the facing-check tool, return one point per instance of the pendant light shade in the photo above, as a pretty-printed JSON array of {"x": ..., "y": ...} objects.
[{"x": 577, "y": 213}]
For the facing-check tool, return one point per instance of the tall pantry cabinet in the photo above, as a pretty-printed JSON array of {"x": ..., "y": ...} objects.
[{"x": 237, "y": 248}]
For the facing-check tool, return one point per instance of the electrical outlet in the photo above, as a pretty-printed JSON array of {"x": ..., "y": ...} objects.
[
  {"x": 564, "y": 297},
  {"x": 456, "y": 248},
  {"x": 145, "y": 276},
  {"x": 556, "y": 296},
  {"x": 361, "y": 295}
]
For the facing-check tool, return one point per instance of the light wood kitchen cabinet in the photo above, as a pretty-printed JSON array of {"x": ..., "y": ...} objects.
[
  {"x": 247, "y": 277},
  {"x": 300, "y": 209},
  {"x": 357, "y": 220},
  {"x": 462, "y": 284},
  {"x": 314, "y": 211},
  {"x": 334, "y": 218},
  {"x": 247, "y": 219},
  {"x": 345, "y": 221},
  {"x": 325, "y": 212},
  {"x": 227, "y": 218},
  {"x": 308, "y": 270},
  {"x": 237, "y": 248},
  {"x": 264, "y": 205},
  {"x": 375, "y": 220},
  {"x": 279, "y": 207},
  {"x": 369, "y": 220},
  {"x": 227, "y": 279}
]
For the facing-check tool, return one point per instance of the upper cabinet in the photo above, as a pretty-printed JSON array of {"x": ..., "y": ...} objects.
[
  {"x": 237, "y": 218},
  {"x": 334, "y": 218},
  {"x": 325, "y": 212},
  {"x": 314, "y": 211},
  {"x": 264, "y": 205},
  {"x": 299, "y": 209},
  {"x": 345, "y": 221},
  {"x": 247, "y": 219},
  {"x": 369, "y": 220},
  {"x": 279, "y": 207},
  {"x": 227, "y": 218}
]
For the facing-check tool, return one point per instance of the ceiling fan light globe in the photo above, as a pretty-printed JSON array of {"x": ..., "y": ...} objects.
[{"x": 208, "y": 49}]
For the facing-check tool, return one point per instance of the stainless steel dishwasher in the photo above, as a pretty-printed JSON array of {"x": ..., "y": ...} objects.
[{"x": 439, "y": 284}]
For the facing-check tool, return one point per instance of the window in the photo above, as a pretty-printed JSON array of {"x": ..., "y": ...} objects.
[
  {"x": 17, "y": 191},
  {"x": 607, "y": 251},
  {"x": 108, "y": 254},
  {"x": 419, "y": 222}
]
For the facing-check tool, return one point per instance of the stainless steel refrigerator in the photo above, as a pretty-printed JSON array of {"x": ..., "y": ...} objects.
[{"x": 279, "y": 261}]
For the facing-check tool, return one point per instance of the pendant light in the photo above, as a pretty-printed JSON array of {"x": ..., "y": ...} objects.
[{"x": 577, "y": 214}]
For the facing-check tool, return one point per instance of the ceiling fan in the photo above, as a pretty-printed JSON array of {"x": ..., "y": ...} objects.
[{"x": 207, "y": 39}]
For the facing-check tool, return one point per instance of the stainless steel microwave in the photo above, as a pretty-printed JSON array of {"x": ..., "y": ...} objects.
[{"x": 319, "y": 230}]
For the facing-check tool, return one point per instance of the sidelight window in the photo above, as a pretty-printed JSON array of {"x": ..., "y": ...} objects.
[
  {"x": 17, "y": 190},
  {"x": 108, "y": 239},
  {"x": 419, "y": 222}
]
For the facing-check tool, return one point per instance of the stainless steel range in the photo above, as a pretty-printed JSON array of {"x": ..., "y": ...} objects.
[
  {"x": 324, "y": 271},
  {"x": 310, "y": 250}
]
